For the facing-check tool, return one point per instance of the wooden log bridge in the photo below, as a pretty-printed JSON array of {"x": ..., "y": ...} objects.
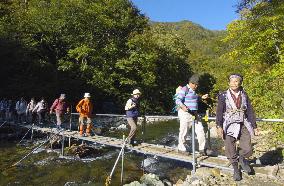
[{"x": 220, "y": 162}]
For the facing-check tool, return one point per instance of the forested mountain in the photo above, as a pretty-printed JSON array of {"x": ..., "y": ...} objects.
[{"x": 206, "y": 48}]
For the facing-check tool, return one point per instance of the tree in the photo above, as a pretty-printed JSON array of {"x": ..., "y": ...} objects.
[
  {"x": 257, "y": 40},
  {"x": 93, "y": 43}
]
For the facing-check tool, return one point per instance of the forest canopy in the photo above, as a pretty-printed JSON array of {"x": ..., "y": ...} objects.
[{"x": 108, "y": 48}]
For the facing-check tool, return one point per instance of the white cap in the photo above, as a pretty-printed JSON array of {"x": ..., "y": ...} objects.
[
  {"x": 62, "y": 96},
  {"x": 136, "y": 91},
  {"x": 87, "y": 95}
]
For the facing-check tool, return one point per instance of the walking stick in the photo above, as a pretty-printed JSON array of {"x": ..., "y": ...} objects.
[
  {"x": 108, "y": 179},
  {"x": 3, "y": 123},
  {"x": 26, "y": 133}
]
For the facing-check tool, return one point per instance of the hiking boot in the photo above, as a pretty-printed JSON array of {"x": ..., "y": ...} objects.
[
  {"x": 134, "y": 142},
  {"x": 181, "y": 148},
  {"x": 237, "y": 172},
  {"x": 206, "y": 152},
  {"x": 245, "y": 165}
]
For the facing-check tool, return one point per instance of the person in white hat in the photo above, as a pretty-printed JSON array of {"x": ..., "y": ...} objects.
[
  {"x": 132, "y": 113},
  {"x": 60, "y": 106},
  {"x": 85, "y": 108}
]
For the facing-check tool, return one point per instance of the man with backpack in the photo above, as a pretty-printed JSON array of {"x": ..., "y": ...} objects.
[
  {"x": 60, "y": 107},
  {"x": 187, "y": 103},
  {"x": 85, "y": 108}
]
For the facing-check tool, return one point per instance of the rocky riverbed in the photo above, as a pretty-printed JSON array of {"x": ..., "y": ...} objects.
[
  {"x": 268, "y": 155},
  {"x": 95, "y": 163}
]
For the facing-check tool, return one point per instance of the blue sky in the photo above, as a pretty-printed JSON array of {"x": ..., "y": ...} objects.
[{"x": 211, "y": 14}]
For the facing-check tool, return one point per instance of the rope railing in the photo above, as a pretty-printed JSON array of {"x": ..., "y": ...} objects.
[
  {"x": 206, "y": 118},
  {"x": 176, "y": 117}
]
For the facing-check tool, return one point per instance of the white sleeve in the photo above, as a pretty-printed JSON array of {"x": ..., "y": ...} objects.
[{"x": 128, "y": 104}]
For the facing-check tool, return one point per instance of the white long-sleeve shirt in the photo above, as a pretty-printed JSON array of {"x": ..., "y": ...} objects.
[{"x": 42, "y": 105}]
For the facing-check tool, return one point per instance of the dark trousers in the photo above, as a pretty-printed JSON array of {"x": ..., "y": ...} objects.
[
  {"x": 31, "y": 117},
  {"x": 245, "y": 145},
  {"x": 41, "y": 116}
]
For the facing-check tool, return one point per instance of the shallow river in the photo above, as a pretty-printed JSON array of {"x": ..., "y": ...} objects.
[{"x": 47, "y": 167}]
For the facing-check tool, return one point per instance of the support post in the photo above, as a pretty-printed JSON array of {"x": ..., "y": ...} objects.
[
  {"x": 62, "y": 144},
  {"x": 208, "y": 128},
  {"x": 193, "y": 146},
  {"x": 70, "y": 118},
  {"x": 122, "y": 162},
  {"x": 143, "y": 136},
  {"x": 32, "y": 132}
]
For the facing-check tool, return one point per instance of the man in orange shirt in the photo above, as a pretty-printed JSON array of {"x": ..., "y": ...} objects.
[{"x": 85, "y": 108}]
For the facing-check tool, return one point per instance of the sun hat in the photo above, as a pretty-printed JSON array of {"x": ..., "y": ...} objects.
[
  {"x": 136, "y": 91},
  {"x": 62, "y": 96},
  {"x": 87, "y": 95}
]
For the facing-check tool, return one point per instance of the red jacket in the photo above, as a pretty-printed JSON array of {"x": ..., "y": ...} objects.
[{"x": 60, "y": 106}]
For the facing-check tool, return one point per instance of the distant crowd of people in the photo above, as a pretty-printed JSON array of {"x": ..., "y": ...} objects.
[{"x": 22, "y": 112}]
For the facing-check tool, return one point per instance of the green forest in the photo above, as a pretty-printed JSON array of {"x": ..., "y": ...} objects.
[{"x": 109, "y": 48}]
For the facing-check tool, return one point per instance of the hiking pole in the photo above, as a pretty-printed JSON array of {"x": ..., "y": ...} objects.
[
  {"x": 108, "y": 179},
  {"x": 3, "y": 123},
  {"x": 122, "y": 163},
  {"x": 70, "y": 118},
  {"x": 25, "y": 134}
]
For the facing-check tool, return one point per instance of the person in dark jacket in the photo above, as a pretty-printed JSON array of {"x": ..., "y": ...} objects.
[
  {"x": 132, "y": 112},
  {"x": 236, "y": 120}
]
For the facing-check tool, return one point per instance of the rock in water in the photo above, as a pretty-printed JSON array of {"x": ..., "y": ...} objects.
[
  {"x": 84, "y": 151},
  {"x": 151, "y": 180}
]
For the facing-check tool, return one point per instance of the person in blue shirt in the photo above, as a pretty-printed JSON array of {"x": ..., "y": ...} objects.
[{"x": 187, "y": 102}]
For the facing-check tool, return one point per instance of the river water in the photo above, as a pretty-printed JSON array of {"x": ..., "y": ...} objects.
[{"x": 47, "y": 167}]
